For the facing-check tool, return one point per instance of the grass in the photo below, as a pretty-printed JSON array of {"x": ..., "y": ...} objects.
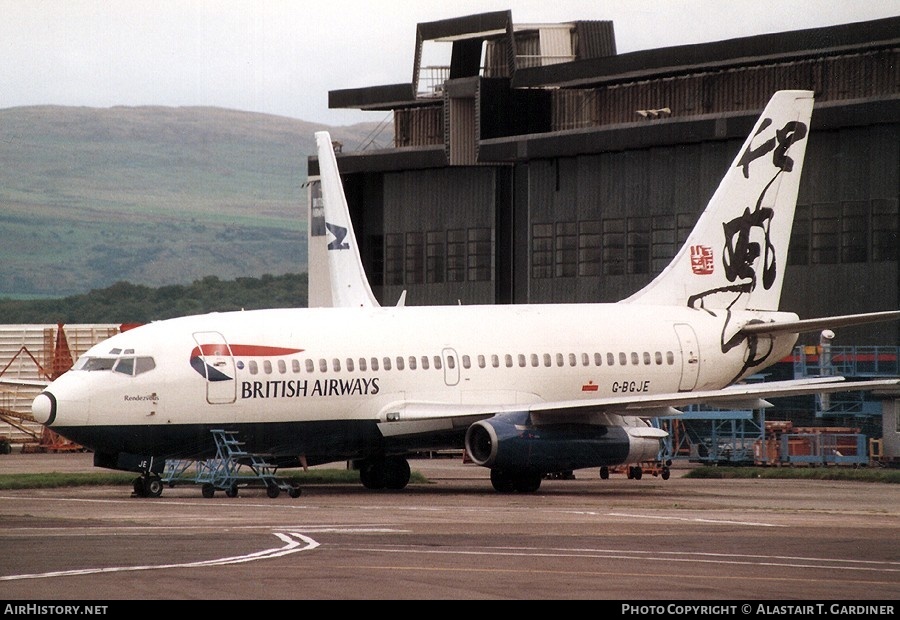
[
  {"x": 864, "y": 474},
  {"x": 56, "y": 480}
]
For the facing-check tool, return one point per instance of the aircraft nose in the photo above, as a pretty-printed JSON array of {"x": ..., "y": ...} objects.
[{"x": 43, "y": 408}]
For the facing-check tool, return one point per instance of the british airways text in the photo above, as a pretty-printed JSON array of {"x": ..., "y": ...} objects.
[{"x": 300, "y": 388}]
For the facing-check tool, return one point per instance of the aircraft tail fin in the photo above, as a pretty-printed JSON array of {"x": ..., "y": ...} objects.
[
  {"x": 736, "y": 254},
  {"x": 349, "y": 284}
]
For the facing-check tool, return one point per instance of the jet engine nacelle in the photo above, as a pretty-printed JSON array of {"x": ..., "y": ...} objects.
[{"x": 510, "y": 442}]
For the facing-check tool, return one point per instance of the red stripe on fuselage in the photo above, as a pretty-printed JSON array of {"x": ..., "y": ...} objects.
[{"x": 242, "y": 350}]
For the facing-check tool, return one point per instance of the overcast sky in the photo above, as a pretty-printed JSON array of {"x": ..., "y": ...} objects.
[{"x": 284, "y": 56}]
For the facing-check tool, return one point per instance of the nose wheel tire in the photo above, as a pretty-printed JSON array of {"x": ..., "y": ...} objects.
[{"x": 153, "y": 486}]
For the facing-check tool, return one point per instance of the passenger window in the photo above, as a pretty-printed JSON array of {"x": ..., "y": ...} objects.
[
  {"x": 323, "y": 365},
  {"x": 424, "y": 362},
  {"x": 387, "y": 363},
  {"x": 125, "y": 365},
  {"x": 508, "y": 360},
  {"x": 336, "y": 364},
  {"x": 350, "y": 364},
  {"x": 310, "y": 365},
  {"x": 646, "y": 359},
  {"x": 253, "y": 367},
  {"x": 534, "y": 360},
  {"x": 267, "y": 367},
  {"x": 282, "y": 366},
  {"x": 634, "y": 358},
  {"x": 437, "y": 362},
  {"x": 623, "y": 359},
  {"x": 572, "y": 359},
  {"x": 451, "y": 362},
  {"x": 374, "y": 363},
  {"x": 658, "y": 358},
  {"x": 559, "y": 359},
  {"x": 399, "y": 363},
  {"x": 295, "y": 366},
  {"x": 670, "y": 358},
  {"x": 598, "y": 359},
  {"x": 466, "y": 361},
  {"x": 362, "y": 364},
  {"x": 585, "y": 359},
  {"x": 481, "y": 361},
  {"x": 610, "y": 359},
  {"x": 412, "y": 362},
  {"x": 547, "y": 360},
  {"x": 521, "y": 361},
  {"x": 495, "y": 361}
]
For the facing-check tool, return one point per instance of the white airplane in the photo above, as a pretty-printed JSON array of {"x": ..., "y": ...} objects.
[{"x": 525, "y": 389}]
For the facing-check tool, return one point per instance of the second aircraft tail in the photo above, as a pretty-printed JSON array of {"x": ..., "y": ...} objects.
[{"x": 349, "y": 284}]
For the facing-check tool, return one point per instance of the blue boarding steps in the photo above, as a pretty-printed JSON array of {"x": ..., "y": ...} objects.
[{"x": 230, "y": 469}]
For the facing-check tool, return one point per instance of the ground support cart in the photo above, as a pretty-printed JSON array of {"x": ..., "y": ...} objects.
[{"x": 231, "y": 469}]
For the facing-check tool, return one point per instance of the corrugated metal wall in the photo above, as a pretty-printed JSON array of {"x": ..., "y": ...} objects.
[
  {"x": 851, "y": 76},
  {"x": 419, "y": 126},
  {"x": 444, "y": 200},
  {"x": 850, "y": 175}
]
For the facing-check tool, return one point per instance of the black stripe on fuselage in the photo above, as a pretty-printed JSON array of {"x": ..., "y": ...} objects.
[{"x": 318, "y": 442}]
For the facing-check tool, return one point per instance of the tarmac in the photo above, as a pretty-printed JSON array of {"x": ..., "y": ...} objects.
[{"x": 453, "y": 538}]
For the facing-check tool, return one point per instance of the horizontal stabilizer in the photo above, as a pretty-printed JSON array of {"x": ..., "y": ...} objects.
[{"x": 813, "y": 325}]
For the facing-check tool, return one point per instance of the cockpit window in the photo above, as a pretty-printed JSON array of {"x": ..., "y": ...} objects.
[
  {"x": 143, "y": 364},
  {"x": 98, "y": 363},
  {"x": 126, "y": 365}
]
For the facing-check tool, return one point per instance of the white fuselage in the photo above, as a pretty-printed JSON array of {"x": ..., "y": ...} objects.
[{"x": 352, "y": 363}]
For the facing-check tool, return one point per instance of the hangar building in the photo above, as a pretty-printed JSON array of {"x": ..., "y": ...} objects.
[{"x": 541, "y": 166}]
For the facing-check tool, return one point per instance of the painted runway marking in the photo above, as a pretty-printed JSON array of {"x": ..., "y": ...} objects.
[
  {"x": 663, "y": 556},
  {"x": 294, "y": 542},
  {"x": 695, "y": 520}
]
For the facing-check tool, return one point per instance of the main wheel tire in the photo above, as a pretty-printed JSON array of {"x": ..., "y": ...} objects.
[
  {"x": 273, "y": 491},
  {"x": 396, "y": 473},
  {"x": 371, "y": 474},
  {"x": 208, "y": 490},
  {"x": 295, "y": 492},
  {"x": 502, "y": 482},
  {"x": 604, "y": 473},
  {"x": 527, "y": 483},
  {"x": 232, "y": 491}
]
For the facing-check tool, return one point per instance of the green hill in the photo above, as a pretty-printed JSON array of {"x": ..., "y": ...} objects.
[{"x": 151, "y": 195}]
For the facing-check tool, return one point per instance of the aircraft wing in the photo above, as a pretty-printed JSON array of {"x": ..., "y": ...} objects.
[
  {"x": 24, "y": 382},
  {"x": 411, "y": 418}
]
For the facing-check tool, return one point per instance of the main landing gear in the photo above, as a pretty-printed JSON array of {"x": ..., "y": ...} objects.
[
  {"x": 518, "y": 482},
  {"x": 390, "y": 472}
]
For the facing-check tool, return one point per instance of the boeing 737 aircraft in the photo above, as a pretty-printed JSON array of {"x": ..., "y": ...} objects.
[{"x": 525, "y": 389}]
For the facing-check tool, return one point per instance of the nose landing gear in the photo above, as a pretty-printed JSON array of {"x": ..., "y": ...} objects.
[{"x": 148, "y": 485}]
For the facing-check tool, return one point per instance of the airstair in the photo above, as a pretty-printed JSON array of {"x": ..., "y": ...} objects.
[{"x": 230, "y": 469}]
